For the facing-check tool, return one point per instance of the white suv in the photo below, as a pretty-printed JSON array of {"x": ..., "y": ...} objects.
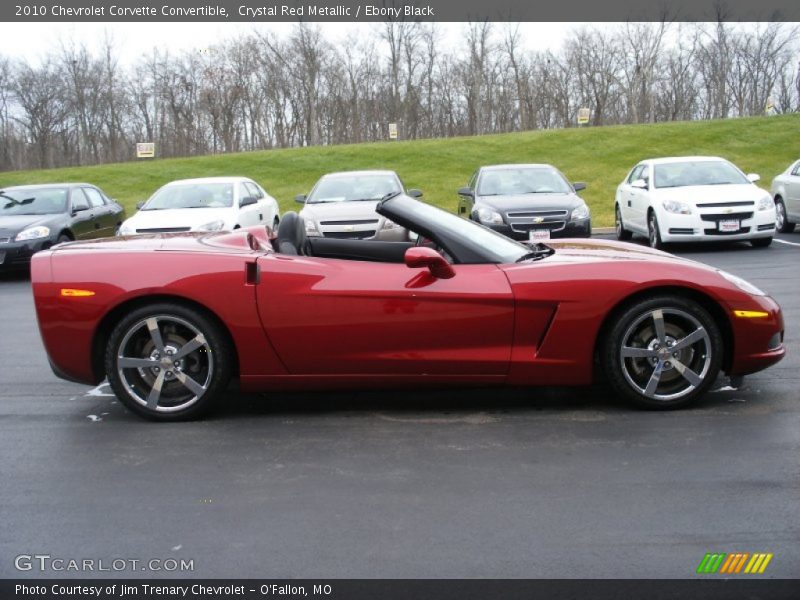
[{"x": 693, "y": 199}]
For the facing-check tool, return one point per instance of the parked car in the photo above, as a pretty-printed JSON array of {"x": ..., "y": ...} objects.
[
  {"x": 786, "y": 192},
  {"x": 34, "y": 217},
  {"x": 462, "y": 305},
  {"x": 208, "y": 204},
  {"x": 526, "y": 202},
  {"x": 693, "y": 199},
  {"x": 342, "y": 205}
]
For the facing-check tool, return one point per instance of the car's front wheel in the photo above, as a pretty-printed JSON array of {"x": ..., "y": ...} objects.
[
  {"x": 168, "y": 362},
  {"x": 782, "y": 223},
  {"x": 662, "y": 352},
  {"x": 619, "y": 228},
  {"x": 654, "y": 232}
]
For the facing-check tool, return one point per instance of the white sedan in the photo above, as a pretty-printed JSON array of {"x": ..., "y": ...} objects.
[
  {"x": 208, "y": 204},
  {"x": 693, "y": 199},
  {"x": 786, "y": 191}
]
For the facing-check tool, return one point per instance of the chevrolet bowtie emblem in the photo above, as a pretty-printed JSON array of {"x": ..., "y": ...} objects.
[
  {"x": 537, "y": 219},
  {"x": 349, "y": 228},
  {"x": 728, "y": 211}
]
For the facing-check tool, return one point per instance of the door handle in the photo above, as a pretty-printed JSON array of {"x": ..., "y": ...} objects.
[{"x": 629, "y": 203}]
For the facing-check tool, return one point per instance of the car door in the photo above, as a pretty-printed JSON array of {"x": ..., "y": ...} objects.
[
  {"x": 105, "y": 220},
  {"x": 341, "y": 317},
  {"x": 793, "y": 194},
  {"x": 83, "y": 221},
  {"x": 637, "y": 200},
  {"x": 264, "y": 209},
  {"x": 248, "y": 214},
  {"x": 625, "y": 201}
]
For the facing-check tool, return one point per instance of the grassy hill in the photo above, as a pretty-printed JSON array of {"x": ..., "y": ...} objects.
[{"x": 600, "y": 156}]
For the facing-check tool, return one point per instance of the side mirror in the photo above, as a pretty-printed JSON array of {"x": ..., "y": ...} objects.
[
  {"x": 301, "y": 198},
  {"x": 466, "y": 192},
  {"x": 414, "y": 193},
  {"x": 753, "y": 177},
  {"x": 640, "y": 184},
  {"x": 419, "y": 257},
  {"x": 578, "y": 186},
  {"x": 139, "y": 204},
  {"x": 247, "y": 201}
]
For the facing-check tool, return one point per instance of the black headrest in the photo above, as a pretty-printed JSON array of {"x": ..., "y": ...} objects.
[{"x": 292, "y": 234}]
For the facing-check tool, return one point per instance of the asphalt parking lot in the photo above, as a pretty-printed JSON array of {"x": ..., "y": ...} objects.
[{"x": 550, "y": 483}]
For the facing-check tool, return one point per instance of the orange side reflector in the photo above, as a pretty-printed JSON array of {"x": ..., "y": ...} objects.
[
  {"x": 751, "y": 314},
  {"x": 72, "y": 293}
]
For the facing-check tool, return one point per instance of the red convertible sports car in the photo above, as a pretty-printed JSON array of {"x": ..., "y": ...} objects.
[{"x": 170, "y": 318}]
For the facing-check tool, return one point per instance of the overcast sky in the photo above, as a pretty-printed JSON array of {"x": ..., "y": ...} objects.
[{"x": 31, "y": 41}]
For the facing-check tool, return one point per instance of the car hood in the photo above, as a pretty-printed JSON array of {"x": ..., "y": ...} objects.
[
  {"x": 11, "y": 225},
  {"x": 181, "y": 217},
  {"x": 531, "y": 202},
  {"x": 594, "y": 250},
  {"x": 340, "y": 210},
  {"x": 712, "y": 194}
]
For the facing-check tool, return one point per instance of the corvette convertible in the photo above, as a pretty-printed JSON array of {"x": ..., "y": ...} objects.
[{"x": 169, "y": 319}]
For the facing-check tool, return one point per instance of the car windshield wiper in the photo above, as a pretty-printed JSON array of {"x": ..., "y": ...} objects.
[
  {"x": 389, "y": 196},
  {"x": 539, "y": 253}
]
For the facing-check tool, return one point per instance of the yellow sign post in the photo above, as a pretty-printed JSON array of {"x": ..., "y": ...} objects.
[
  {"x": 583, "y": 115},
  {"x": 392, "y": 131}
]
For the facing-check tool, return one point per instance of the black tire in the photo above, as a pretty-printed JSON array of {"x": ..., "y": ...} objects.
[
  {"x": 623, "y": 234},
  {"x": 635, "y": 333},
  {"x": 654, "y": 232},
  {"x": 782, "y": 223},
  {"x": 191, "y": 385},
  {"x": 63, "y": 238},
  {"x": 761, "y": 242}
]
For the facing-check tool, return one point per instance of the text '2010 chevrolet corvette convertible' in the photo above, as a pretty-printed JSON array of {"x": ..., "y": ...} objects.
[{"x": 170, "y": 318}]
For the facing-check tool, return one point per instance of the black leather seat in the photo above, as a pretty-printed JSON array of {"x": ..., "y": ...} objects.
[{"x": 292, "y": 237}]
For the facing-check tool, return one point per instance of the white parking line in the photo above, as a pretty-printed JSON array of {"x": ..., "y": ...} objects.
[{"x": 785, "y": 242}]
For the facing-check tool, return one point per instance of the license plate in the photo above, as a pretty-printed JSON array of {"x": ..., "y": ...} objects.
[
  {"x": 729, "y": 225},
  {"x": 538, "y": 235}
]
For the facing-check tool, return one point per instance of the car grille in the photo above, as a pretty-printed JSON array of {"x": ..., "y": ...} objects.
[
  {"x": 726, "y": 204},
  {"x": 767, "y": 227},
  {"x": 164, "y": 230},
  {"x": 350, "y": 235},
  {"x": 361, "y": 222},
  {"x": 551, "y": 220},
  {"x": 681, "y": 230},
  {"x": 724, "y": 233},
  {"x": 4, "y": 240},
  {"x": 717, "y": 217}
]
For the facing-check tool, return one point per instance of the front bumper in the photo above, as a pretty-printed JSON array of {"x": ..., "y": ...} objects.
[
  {"x": 17, "y": 255},
  {"x": 570, "y": 229},
  {"x": 708, "y": 225}
]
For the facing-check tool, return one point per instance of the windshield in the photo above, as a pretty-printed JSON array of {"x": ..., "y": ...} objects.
[
  {"x": 705, "y": 172},
  {"x": 354, "y": 188},
  {"x": 501, "y": 248},
  {"x": 192, "y": 195},
  {"x": 42, "y": 201},
  {"x": 510, "y": 182}
]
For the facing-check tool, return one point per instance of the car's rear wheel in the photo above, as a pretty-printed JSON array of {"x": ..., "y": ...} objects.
[
  {"x": 782, "y": 223},
  {"x": 761, "y": 242},
  {"x": 653, "y": 232},
  {"x": 168, "y": 362},
  {"x": 662, "y": 352},
  {"x": 622, "y": 234}
]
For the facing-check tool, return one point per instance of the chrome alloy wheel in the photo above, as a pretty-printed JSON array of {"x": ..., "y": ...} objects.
[
  {"x": 165, "y": 363},
  {"x": 666, "y": 354}
]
